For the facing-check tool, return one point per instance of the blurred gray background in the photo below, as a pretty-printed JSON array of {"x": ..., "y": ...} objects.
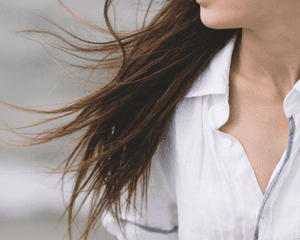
[{"x": 30, "y": 200}]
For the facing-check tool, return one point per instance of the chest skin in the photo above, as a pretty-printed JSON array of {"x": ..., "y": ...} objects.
[{"x": 258, "y": 121}]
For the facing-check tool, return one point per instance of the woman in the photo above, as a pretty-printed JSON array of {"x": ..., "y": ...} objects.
[{"x": 203, "y": 109}]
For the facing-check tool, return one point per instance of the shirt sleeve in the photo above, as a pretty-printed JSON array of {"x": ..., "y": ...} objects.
[{"x": 162, "y": 221}]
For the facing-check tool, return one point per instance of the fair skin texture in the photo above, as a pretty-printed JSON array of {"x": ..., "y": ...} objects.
[
  {"x": 265, "y": 66},
  {"x": 269, "y": 52}
]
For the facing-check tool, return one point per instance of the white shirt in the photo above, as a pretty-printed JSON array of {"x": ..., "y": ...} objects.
[{"x": 203, "y": 187}]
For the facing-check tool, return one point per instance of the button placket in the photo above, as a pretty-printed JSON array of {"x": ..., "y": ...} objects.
[
  {"x": 221, "y": 107},
  {"x": 220, "y": 114},
  {"x": 227, "y": 142}
]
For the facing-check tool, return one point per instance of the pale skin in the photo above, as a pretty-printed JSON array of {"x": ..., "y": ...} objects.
[
  {"x": 264, "y": 68},
  {"x": 269, "y": 53}
]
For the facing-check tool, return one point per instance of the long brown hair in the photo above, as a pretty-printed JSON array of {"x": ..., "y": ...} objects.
[{"x": 123, "y": 121}]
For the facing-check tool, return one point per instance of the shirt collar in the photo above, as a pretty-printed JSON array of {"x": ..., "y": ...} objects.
[{"x": 215, "y": 78}]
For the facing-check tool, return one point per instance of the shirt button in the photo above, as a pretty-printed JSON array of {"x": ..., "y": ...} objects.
[
  {"x": 227, "y": 142},
  {"x": 221, "y": 107}
]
